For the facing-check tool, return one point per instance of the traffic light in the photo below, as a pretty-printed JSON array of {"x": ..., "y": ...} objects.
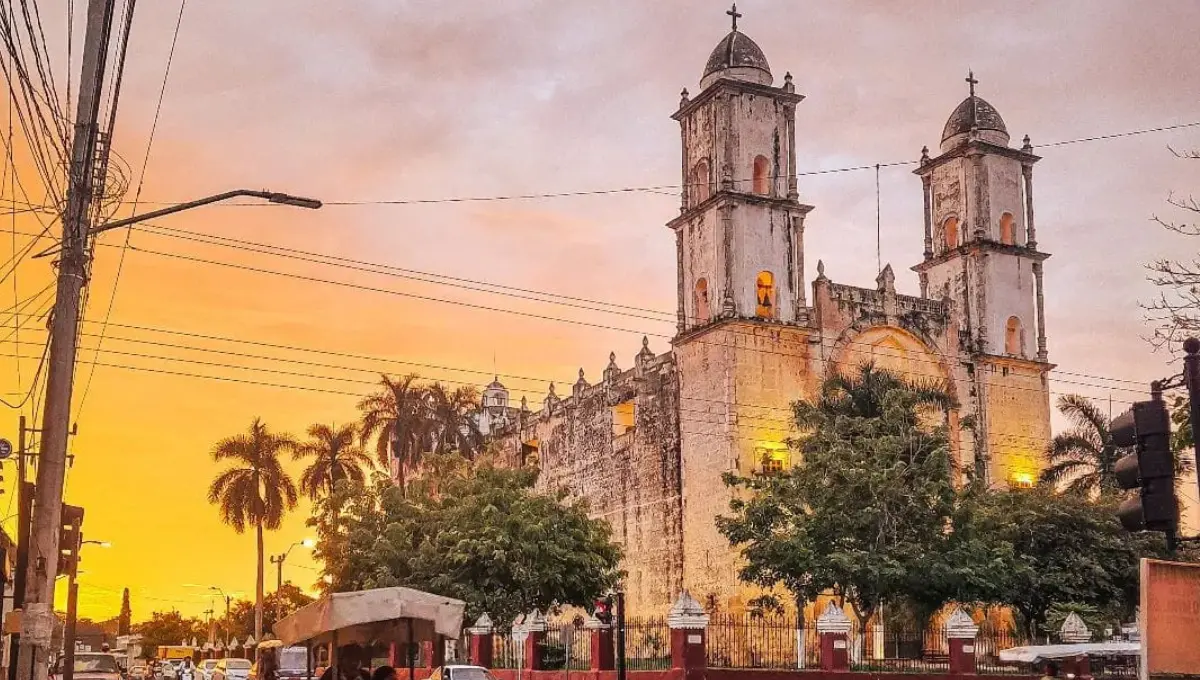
[
  {"x": 1150, "y": 468},
  {"x": 604, "y": 610},
  {"x": 70, "y": 538}
]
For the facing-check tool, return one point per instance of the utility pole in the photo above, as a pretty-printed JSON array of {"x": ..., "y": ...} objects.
[
  {"x": 37, "y": 622},
  {"x": 24, "y": 510}
]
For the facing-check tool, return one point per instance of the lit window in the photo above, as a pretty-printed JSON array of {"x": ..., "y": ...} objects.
[
  {"x": 1007, "y": 235},
  {"x": 762, "y": 175},
  {"x": 1021, "y": 480},
  {"x": 772, "y": 459},
  {"x": 950, "y": 233},
  {"x": 765, "y": 295},
  {"x": 624, "y": 417}
]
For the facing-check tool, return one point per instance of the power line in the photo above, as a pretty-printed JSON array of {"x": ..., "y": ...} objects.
[{"x": 112, "y": 297}]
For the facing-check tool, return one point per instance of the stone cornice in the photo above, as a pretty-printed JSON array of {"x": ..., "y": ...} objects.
[
  {"x": 976, "y": 146},
  {"x": 725, "y": 196},
  {"x": 981, "y": 246},
  {"x": 741, "y": 87},
  {"x": 1017, "y": 362}
]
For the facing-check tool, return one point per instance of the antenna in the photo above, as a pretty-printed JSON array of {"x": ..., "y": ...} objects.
[{"x": 878, "y": 229}]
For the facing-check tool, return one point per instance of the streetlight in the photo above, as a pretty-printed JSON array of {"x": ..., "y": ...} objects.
[
  {"x": 270, "y": 196},
  {"x": 279, "y": 559},
  {"x": 228, "y": 599},
  {"x": 73, "y": 609}
]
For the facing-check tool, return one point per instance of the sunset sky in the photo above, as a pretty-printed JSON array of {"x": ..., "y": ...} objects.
[{"x": 396, "y": 100}]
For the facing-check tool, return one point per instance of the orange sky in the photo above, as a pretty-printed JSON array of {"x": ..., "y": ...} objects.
[{"x": 384, "y": 100}]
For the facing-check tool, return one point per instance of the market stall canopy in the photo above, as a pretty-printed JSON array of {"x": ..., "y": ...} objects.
[
  {"x": 1035, "y": 653},
  {"x": 378, "y": 615}
]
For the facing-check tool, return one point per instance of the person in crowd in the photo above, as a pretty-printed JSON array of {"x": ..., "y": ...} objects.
[{"x": 384, "y": 673}]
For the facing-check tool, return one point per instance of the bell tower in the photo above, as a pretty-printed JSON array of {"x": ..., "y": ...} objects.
[
  {"x": 740, "y": 231},
  {"x": 981, "y": 253}
]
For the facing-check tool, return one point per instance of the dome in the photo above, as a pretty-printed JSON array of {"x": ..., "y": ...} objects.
[
  {"x": 976, "y": 113},
  {"x": 738, "y": 57}
]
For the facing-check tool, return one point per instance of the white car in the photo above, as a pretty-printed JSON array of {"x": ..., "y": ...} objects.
[
  {"x": 205, "y": 668},
  {"x": 91, "y": 666},
  {"x": 461, "y": 672},
  {"x": 231, "y": 669},
  {"x": 169, "y": 669}
]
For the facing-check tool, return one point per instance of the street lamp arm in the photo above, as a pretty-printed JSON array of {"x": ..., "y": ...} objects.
[{"x": 272, "y": 196}]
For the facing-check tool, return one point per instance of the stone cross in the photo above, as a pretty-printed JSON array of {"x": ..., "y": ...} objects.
[{"x": 735, "y": 14}]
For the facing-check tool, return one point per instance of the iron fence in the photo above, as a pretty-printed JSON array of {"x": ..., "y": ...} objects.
[{"x": 647, "y": 644}]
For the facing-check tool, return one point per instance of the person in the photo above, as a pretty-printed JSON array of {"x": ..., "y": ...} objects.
[
  {"x": 384, "y": 673},
  {"x": 187, "y": 671},
  {"x": 1049, "y": 671}
]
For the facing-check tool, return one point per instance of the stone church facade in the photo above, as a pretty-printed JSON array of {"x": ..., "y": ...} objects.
[{"x": 648, "y": 444}]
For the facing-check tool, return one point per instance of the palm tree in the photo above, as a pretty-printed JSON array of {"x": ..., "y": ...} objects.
[
  {"x": 336, "y": 456},
  {"x": 1083, "y": 456},
  {"x": 453, "y": 428},
  {"x": 398, "y": 418},
  {"x": 257, "y": 491},
  {"x": 865, "y": 394}
]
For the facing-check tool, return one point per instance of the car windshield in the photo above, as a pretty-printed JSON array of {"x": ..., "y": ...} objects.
[
  {"x": 101, "y": 663},
  {"x": 470, "y": 674},
  {"x": 293, "y": 659},
  {"x": 237, "y": 664},
  {"x": 210, "y": 664}
]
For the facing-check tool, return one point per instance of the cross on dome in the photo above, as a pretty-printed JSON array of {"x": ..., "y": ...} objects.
[
  {"x": 971, "y": 81},
  {"x": 735, "y": 15}
]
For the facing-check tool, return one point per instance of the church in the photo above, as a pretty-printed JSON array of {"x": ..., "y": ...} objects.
[{"x": 647, "y": 443}]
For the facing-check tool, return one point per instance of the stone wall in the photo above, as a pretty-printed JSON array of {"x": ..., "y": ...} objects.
[{"x": 629, "y": 475}]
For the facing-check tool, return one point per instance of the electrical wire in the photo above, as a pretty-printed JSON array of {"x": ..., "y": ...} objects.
[{"x": 162, "y": 92}]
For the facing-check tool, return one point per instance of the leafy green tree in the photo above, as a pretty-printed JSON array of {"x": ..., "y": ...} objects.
[
  {"x": 256, "y": 492},
  {"x": 126, "y": 616},
  {"x": 167, "y": 628},
  {"x": 1082, "y": 458},
  {"x": 1066, "y": 549},
  {"x": 276, "y": 605},
  {"x": 870, "y": 500},
  {"x": 486, "y": 536},
  {"x": 335, "y": 456},
  {"x": 397, "y": 417}
]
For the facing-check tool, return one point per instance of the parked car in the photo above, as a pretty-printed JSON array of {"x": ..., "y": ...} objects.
[
  {"x": 231, "y": 669},
  {"x": 90, "y": 666},
  {"x": 461, "y": 672},
  {"x": 169, "y": 669},
  {"x": 138, "y": 671},
  {"x": 205, "y": 668}
]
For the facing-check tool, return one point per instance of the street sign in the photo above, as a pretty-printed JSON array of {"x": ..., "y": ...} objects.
[{"x": 5, "y": 449}]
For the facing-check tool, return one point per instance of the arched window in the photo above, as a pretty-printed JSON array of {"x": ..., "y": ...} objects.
[
  {"x": 1014, "y": 337},
  {"x": 701, "y": 301},
  {"x": 701, "y": 182},
  {"x": 762, "y": 175},
  {"x": 950, "y": 232},
  {"x": 1007, "y": 236},
  {"x": 765, "y": 295}
]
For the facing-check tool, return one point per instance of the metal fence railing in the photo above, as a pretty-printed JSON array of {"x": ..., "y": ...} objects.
[
  {"x": 647, "y": 644},
  {"x": 782, "y": 642}
]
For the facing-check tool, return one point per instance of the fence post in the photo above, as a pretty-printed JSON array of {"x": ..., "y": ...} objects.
[
  {"x": 535, "y": 627},
  {"x": 688, "y": 624},
  {"x": 833, "y": 626},
  {"x": 602, "y": 644},
  {"x": 961, "y": 632},
  {"x": 481, "y": 641},
  {"x": 1074, "y": 630}
]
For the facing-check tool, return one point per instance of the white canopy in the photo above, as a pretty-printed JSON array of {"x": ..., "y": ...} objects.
[
  {"x": 1035, "y": 653},
  {"x": 378, "y": 615}
]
